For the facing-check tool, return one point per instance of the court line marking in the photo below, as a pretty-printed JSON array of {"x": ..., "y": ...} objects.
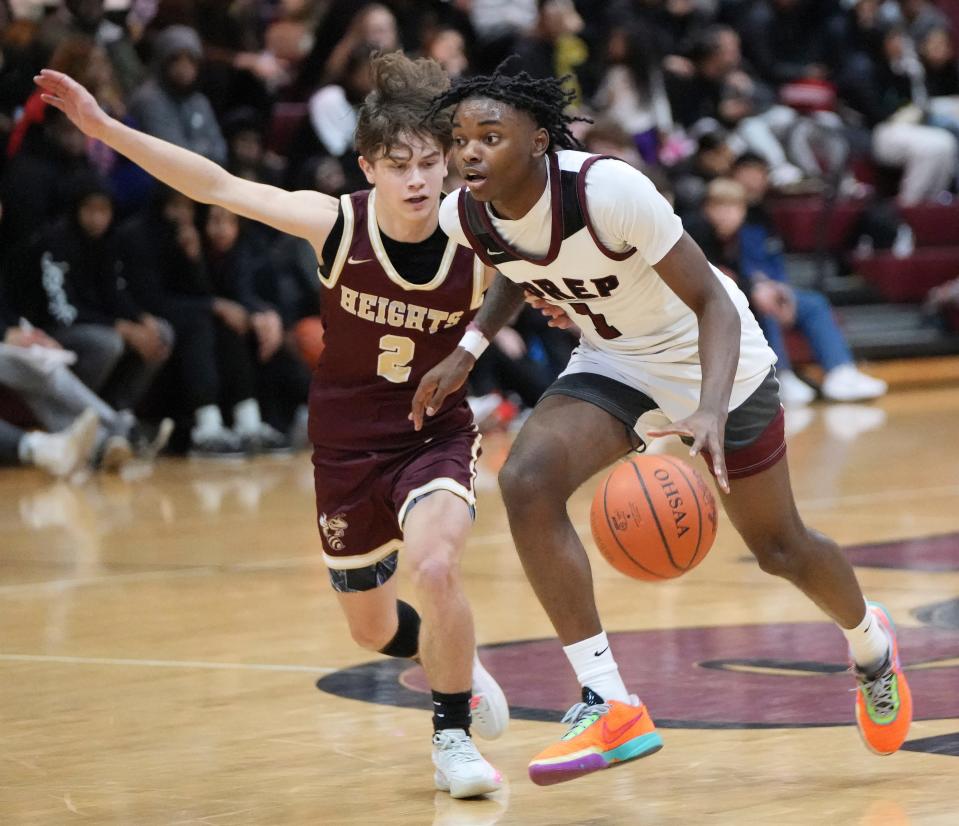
[
  {"x": 310, "y": 560},
  {"x": 163, "y": 573},
  {"x": 215, "y": 666}
]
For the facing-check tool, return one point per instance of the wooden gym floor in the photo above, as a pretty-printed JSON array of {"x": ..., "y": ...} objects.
[{"x": 160, "y": 638}]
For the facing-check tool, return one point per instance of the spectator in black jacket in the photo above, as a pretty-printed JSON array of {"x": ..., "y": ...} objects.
[
  {"x": 75, "y": 290},
  {"x": 34, "y": 179},
  {"x": 211, "y": 365},
  {"x": 880, "y": 76},
  {"x": 785, "y": 40},
  {"x": 35, "y": 371},
  {"x": 240, "y": 270}
]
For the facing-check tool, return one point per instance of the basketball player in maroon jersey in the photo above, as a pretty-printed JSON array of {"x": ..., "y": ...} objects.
[{"x": 399, "y": 295}]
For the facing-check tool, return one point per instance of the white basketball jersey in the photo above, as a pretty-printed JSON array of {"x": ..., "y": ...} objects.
[{"x": 590, "y": 245}]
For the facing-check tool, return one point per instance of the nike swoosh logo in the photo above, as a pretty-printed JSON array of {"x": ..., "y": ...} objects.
[
  {"x": 613, "y": 734},
  {"x": 600, "y": 653},
  {"x": 352, "y": 260},
  {"x": 494, "y": 252}
]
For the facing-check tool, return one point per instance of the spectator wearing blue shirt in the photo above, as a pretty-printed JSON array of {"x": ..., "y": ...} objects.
[{"x": 752, "y": 250}]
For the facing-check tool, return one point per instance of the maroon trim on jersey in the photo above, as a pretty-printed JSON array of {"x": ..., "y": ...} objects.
[
  {"x": 581, "y": 195},
  {"x": 478, "y": 246},
  {"x": 556, "y": 234},
  {"x": 769, "y": 448}
]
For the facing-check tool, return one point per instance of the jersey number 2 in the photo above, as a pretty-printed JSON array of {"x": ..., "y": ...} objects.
[
  {"x": 394, "y": 362},
  {"x": 603, "y": 327}
]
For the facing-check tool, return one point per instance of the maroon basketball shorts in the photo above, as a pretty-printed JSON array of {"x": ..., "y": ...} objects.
[
  {"x": 363, "y": 498},
  {"x": 755, "y": 438}
]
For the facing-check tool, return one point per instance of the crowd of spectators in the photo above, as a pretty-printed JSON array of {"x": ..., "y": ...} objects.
[{"x": 176, "y": 311}]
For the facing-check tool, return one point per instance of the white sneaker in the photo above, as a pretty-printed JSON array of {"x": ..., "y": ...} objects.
[
  {"x": 117, "y": 452},
  {"x": 488, "y": 704},
  {"x": 793, "y": 391},
  {"x": 460, "y": 769},
  {"x": 798, "y": 419},
  {"x": 61, "y": 454},
  {"x": 846, "y": 384},
  {"x": 847, "y": 421},
  {"x": 483, "y": 408}
]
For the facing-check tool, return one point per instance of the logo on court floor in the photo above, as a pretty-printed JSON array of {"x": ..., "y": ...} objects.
[{"x": 781, "y": 675}]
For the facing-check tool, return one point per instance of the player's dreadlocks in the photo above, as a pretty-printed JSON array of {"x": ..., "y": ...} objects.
[{"x": 545, "y": 99}]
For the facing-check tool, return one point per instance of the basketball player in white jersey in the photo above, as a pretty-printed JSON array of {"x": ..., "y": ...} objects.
[
  {"x": 396, "y": 292},
  {"x": 668, "y": 346}
]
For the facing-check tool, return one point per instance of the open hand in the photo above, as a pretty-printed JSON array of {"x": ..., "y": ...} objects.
[
  {"x": 776, "y": 300},
  {"x": 64, "y": 93},
  {"x": 706, "y": 429},
  {"x": 447, "y": 377},
  {"x": 31, "y": 337}
]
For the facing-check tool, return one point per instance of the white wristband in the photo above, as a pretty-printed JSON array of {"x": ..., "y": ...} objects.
[{"x": 474, "y": 342}]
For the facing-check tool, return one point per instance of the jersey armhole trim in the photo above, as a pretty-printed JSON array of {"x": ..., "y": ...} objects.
[
  {"x": 479, "y": 277},
  {"x": 554, "y": 182},
  {"x": 463, "y": 209},
  {"x": 581, "y": 195},
  {"x": 346, "y": 241}
]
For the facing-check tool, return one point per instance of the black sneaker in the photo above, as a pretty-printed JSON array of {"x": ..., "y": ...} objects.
[
  {"x": 266, "y": 440},
  {"x": 215, "y": 444}
]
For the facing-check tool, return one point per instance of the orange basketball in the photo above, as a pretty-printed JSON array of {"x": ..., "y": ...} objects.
[
  {"x": 308, "y": 335},
  {"x": 653, "y": 518}
]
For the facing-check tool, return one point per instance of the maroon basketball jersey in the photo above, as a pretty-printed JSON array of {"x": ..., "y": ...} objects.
[{"x": 383, "y": 334}]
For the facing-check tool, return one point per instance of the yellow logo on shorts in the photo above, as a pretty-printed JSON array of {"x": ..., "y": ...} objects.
[{"x": 334, "y": 528}]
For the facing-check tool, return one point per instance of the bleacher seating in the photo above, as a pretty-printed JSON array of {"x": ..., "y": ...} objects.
[{"x": 935, "y": 228}]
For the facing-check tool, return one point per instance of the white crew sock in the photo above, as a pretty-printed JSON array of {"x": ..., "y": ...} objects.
[
  {"x": 246, "y": 416},
  {"x": 208, "y": 419},
  {"x": 595, "y": 668},
  {"x": 868, "y": 642}
]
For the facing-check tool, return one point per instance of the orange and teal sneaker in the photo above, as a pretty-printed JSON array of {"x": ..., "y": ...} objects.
[
  {"x": 600, "y": 735},
  {"x": 883, "y": 699}
]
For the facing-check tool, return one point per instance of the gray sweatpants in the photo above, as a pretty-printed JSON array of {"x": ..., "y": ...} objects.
[{"x": 57, "y": 397}]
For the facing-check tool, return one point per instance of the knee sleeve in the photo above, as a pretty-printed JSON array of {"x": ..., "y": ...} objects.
[{"x": 406, "y": 640}]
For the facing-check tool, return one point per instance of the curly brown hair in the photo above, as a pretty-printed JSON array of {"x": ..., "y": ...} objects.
[{"x": 399, "y": 106}]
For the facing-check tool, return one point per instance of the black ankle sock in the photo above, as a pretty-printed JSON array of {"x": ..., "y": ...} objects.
[{"x": 451, "y": 711}]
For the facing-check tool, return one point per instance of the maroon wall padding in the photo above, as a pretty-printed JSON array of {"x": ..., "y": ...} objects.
[
  {"x": 909, "y": 279},
  {"x": 797, "y": 222},
  {"x": 933, "y": 224}
]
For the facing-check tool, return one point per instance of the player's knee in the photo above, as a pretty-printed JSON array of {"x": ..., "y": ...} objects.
[
  {"x": 370, "y": 636},
  {"x": 777, "y": 556},
  {"x": 523, "y": 479},
  {"x": 435, "y": 573}
]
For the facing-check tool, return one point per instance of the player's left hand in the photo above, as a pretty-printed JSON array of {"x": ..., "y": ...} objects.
[
  {"x": 447, "y": 377},
  {"x": 706, "y": 428},
  {"x": 557, "y": 315}
]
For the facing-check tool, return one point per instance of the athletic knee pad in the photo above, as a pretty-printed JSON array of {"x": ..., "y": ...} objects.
[{"x": 406, "y": 640}]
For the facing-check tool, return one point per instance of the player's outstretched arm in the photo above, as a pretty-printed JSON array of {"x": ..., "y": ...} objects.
[
  {"x": 306, "y": 214},
  {"x": 503, "y": 299}
]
